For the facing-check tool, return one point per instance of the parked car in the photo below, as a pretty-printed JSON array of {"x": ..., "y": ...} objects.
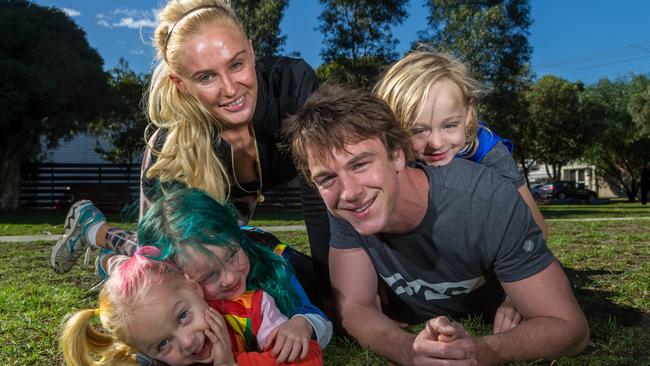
[
  {"x": 564, "y": 189},
  {"x": 536, "y": 191}
]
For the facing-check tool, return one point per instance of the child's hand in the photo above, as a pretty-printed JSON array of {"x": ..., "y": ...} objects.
[
  {"x": 218, "y": 335},
  {"x": 291, "y": 340}
]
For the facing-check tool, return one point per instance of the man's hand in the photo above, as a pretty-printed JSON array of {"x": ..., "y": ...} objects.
[
  {"x": 444, "y": 343},
  {"x": 218, "y": 334},
  {"x": 506, "y": 317},
  {"x": 291, "y": 340}
]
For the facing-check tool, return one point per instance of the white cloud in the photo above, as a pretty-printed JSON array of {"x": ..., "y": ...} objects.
[
  {"x": 129, "y": 18},
  {"x": 137, "y": 52},
  {"x": 126, "y": 11},
  {"x": 135, "y": 23},
  {"x": 104, "y": 23},
  {"x": 71, "y": 12}
]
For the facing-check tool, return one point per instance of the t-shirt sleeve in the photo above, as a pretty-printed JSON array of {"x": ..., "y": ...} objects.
[
  {"x": 271, "y": 319},
  {"x": 342, "y": 234},
  {"x": 500, "y": 159},
  {"x": 515, "y": 243}
]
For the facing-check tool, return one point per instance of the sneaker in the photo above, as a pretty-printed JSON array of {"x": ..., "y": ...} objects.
[
  {"x": 99, "y": 266},
  {"x": 72, "y": 244}
]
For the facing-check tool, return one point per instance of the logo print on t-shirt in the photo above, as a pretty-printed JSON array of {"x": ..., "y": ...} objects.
[
  {"x": 432, "y": 291},
  {"x": 529, "y": 245}
]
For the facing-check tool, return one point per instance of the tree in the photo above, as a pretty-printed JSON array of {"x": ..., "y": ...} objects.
[
  {"x": 622, "y": 149},
  {"x": 261, "y": 19},
  {"x": 124, "y": 122},
  {"x": 358, "y": 39},
  {"x": 52, "y": 82},
  {"x": 491, "y": 36},
  {"x": 561, "y": 134},
  {"x": 639, "y": 107}
]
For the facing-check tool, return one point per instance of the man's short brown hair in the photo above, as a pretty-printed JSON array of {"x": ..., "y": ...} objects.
[{"x": 335, "y": 116}]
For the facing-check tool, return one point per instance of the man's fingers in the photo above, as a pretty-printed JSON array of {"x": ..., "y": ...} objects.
[
  {"x": 516, "y": 320},
  {"x": 440, "y": 350},
  {"x": 506, "y": 318},
  {"x": 443, "y": 326}
]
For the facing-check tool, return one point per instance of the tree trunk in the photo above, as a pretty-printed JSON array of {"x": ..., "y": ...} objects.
[
  {"x": 632, "y": 191},
  {"x": 9, "y": 180}
]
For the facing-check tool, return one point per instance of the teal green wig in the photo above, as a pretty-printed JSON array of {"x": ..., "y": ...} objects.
[{"x": 188, "y": 221}]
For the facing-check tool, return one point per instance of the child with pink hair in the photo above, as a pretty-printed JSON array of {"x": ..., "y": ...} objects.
[{"x": 149, "y": 306}]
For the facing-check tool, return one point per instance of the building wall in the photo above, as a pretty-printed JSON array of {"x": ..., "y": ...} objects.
[
  {"x": 80, "y": 149},
  {"x": 585, "y": 173},
  {"x": 576, "y": 172}
]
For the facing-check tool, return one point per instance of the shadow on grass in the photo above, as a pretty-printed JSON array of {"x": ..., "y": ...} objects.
[
  {"x": 595, "y": 302},
  {"x": 593, "y": 212}
]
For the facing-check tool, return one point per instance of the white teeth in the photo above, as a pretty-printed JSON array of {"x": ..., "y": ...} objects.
[
  {"x": 364, "y": 207},
  {"x": 236, "y": 102}
]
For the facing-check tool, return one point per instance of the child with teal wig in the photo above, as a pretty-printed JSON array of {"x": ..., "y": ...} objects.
[{"x": 203, "y": 238}]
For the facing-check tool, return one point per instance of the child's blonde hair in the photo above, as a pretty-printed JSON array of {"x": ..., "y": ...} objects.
[
  {"x": 129, "y": 283},
  {"x": 405, "y": 87},
  {"x": 187, "y": 155}
]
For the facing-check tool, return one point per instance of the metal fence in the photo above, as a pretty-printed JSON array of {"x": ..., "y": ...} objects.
[
  {"x": 56, "y": 185},
  {"x": 109, "y": 186}
]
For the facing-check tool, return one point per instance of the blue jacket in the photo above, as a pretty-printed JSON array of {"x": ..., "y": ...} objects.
[{"x": 486, "y": 141}]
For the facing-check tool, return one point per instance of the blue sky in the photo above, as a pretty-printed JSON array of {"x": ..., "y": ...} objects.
[{"x": 577, "y": 40}]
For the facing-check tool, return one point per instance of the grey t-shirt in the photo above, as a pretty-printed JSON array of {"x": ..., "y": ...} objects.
[
  {"x": 476, "y": 232},
  {"x": 500, "y": 159}
]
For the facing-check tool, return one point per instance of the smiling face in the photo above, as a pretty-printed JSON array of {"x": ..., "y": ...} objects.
[
  {"x": 170, "y": 326},
  {"x": 217, "y": 67},
  {"x": 222, "y": 275},
  {"x": 359, "y": 185},
  {"x": 439, "y": 130}
]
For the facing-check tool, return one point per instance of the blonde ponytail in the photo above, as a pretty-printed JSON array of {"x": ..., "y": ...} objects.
[{"x": 83, "y": 345}]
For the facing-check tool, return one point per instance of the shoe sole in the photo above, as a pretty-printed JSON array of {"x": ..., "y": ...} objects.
[{"x": 71, "y": 222}]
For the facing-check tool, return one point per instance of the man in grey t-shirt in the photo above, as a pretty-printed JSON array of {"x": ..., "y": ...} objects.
[
  {"x": 453, "y": 260},
  {"x": 445, "y": 240}
]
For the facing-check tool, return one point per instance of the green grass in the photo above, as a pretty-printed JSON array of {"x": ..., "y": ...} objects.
[
  {"x": 24, "y": 222},
  {"x": 608, "y": 262},
  {"x": 615, "y": 208}
]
